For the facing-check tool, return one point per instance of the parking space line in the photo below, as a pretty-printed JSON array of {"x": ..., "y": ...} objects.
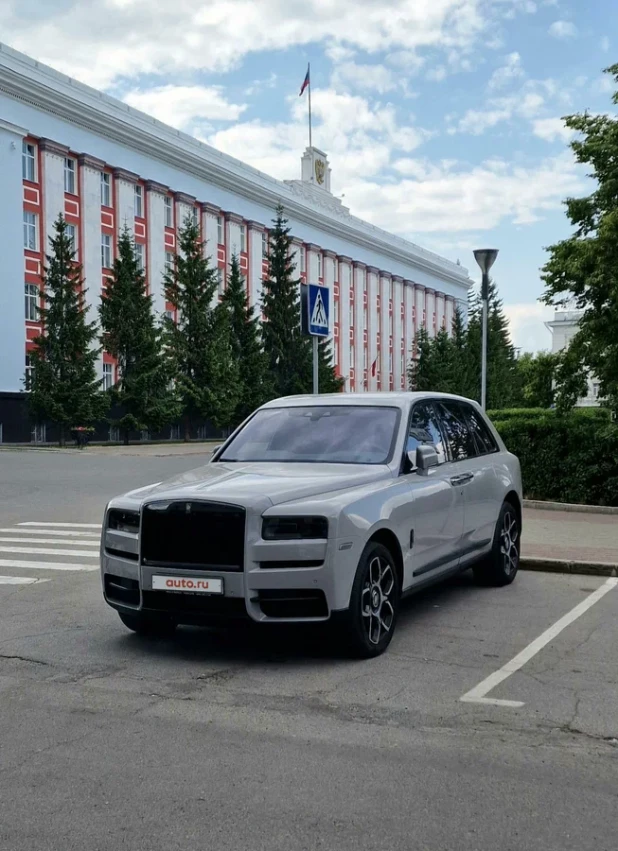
[
  {"x": 17, "y": 580},
  {"x": 24, "y": 539},
  {"x": 46, "y": 565},
  {"x": 479, "y": 693},
  {"x": 46, "y": 551},
  {"x": 69, "y": 525},
  {"x": 17, "y": 530}
]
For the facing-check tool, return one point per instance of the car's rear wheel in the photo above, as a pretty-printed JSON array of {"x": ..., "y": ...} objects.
[
  {"x": 501, "y": 565},
  {"x": 370, "y": 621},
  {"x": 151, "y": 625}
]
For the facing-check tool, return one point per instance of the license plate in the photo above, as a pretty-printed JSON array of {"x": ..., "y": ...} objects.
[{"x": 187, "y": 584}]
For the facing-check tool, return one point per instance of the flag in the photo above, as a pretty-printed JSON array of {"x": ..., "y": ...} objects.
[
  {"x": 373, "y": 368},
  {"x": 306, "y": 82}
]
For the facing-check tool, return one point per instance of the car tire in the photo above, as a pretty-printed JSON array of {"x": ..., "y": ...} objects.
[
  {"x": 500, "y": 566},
  {"x": 369, "y": 623},
  {"x": 152, "y": 626}
]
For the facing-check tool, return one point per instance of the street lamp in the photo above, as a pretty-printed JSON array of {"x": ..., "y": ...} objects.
[{"x": 485, "y": 257}]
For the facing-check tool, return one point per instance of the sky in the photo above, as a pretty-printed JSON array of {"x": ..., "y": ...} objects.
[{"x": 442, "y": 119}]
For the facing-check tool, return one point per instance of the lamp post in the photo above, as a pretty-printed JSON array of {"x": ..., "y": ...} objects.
[{"x": 485, "y": 257}]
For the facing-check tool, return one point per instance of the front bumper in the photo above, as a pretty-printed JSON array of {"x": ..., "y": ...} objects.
[{"x": 262, "y": 592}]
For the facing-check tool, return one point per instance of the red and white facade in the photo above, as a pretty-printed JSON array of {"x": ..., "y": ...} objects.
[{"x": 65, "y": 148}]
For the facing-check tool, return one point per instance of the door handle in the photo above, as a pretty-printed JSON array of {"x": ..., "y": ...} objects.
[{"x": 462, "y": 479}]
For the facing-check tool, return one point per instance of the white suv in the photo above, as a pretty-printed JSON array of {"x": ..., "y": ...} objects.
[{"x": 320, "y": 508}]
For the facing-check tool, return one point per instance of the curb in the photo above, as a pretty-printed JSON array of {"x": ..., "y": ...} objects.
[
  {"x": 570, "y": 506},
  {"x": 554, "y": 565}
]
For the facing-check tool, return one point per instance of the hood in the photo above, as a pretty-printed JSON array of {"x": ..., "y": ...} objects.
[{"x": 245, "y": 483}]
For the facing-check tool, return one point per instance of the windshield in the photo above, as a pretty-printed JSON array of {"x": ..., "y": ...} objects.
[{"x": 339, "y": 434}]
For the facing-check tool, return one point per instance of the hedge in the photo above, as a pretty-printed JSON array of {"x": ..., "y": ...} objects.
[{"x": 569, "y": 458}]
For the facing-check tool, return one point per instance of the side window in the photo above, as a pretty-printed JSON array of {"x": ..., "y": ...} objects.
[
  {"x": 458, "y": 436},
  {"x": 424, "y": 429},
  {"x": 485, "y": 440}
]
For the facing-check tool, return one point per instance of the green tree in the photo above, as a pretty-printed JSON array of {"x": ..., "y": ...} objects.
[
  {"x": 462, "y": 372},
  {"x": 423, "y": 372},
  {"x": 536, "y": 375},
  {"x": 64, "y": 387},
  {"x": 328, "y": 380},
  {"x": 255, "y": 385},
  {"x": 129, "y": 334},
  {"x": 199, "y": 345},
  {"x": 584, "y": 267}
]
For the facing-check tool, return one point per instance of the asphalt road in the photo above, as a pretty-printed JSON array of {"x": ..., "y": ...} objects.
[{"x": 234, "y": 739}]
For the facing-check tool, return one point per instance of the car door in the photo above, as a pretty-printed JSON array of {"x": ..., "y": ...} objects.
[
  {"x": 437, "y": 509},
  {"x": 474, "y": 474}
]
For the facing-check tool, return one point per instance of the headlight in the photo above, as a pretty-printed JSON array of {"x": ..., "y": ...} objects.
[
  {"x": 294, "y": 528},
  {"x": 123, "y": 521}
]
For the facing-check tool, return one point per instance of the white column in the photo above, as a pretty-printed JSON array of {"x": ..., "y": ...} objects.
[
  {"x": 155, "y": 200},
  {"x": 430, "y": 309},
  {"x": 52, "y": 185},
  {"x": 255, "y": 232},
  {"x": 90, "y": 207},
  {"x": 359, "y": 315},
  {"x": 421, "y": 313},
  {"x": 12, "y": 344},
  {"x": 408, "y": 325},
  {"x": 440, "y": 311},
  {"x": 329, "y": 280},
  {"x": 313, "y": 251},
  {"x": 398, "y": 341},
  {"x": 125, "y": 200},
  {"x": 345, "y": 278},
  {"x": 185, "y": 205},
  {"x": 372, "y": 326},
  {"x": 385, "y": 291},
  {"x": 450, "y": 314},
  {"x": 232, "y": 237}
]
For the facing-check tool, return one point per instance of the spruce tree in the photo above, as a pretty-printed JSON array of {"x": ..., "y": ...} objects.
[
  {"x": 328, "y": 380},
  {"x": 132, "y": 337},
  {"x": 422, "y": 371},
  {"x": 288, "y": 350},
  {"x": 462, "y": 373},
  {"x": 255, "y": 386},
  {"x": 64, "y": 388},
  {"x": 199, "y": 345}
]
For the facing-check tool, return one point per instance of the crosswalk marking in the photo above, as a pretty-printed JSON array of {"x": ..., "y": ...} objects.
[
  {"x": 71, "y": 525},
  {"x": 54, "y": 541},
  {"x": 46, "y": 551},
  {"x": 18, "y": 530},
  {"x": 46, "y": 565},
  {"x": 18, "y": 580}
]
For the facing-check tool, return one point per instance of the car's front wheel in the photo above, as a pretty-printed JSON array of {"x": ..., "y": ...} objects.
[
  {"x": 501, "y": 565},
  {"x": 153, "y": 626},
  {"x": 374, "y": 604}
]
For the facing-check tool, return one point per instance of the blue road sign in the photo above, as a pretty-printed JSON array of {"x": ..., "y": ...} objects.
[{"x": 318, "y": 307}]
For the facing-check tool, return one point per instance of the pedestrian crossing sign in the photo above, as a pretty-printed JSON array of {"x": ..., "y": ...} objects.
[{"x": 318, "y": 305}]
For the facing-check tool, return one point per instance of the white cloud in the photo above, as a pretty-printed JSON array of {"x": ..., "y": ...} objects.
[
  {"x": 158, "y": 37},
  {"x": 551, "y": 129},
  {"x": 376, "y": 78},
  {"x": 185, "y": 106},
  {"x": 511, "y": 70},
  {"x": 521, "y": 105},
  {"x": 563, "y": 30},
  {"x": 527, "y": 325},
  {"x": 604, "y": 44}
]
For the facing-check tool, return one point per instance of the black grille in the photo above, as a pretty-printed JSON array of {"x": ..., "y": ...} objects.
[
  {"x": 195, "y": 607},
  {"x": 119, "y": 589},
  {"x": 193, "y": 535},
  {"x": 293, "y": 603}
]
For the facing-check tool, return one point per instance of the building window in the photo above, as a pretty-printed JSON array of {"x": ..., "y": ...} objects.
[
  {"x": 169, "y": 314},
  {"x": 29, "y": 372},
  {"x": 30, "y": 229},
  {"x": 169, "y": 262},
  {"x": 71, "y": 232},
  {"x": 169, "y": 215},
  {"x": 365, "y": 357},
  {"x": 264, "y": 244},
  {"x": 33, "y": 294},
  {"x": 108, "y": 376},
  {"x": 595, "y": 391},
  {"x": 320, "y": 269},
  {"x": 69, "y": 176},
  {"x": 140, "y": 255},
  {"x": 301, "y": 252},
  {"x": 106, "y": 251},
  {"x": 243, "y": 239},
  {"x": 106, "y": 190},
  {"x": 336, "y": 311},
  {"x": 390, "y": 363},
  {"x": 28, "y": 162},
  {"x": 221, "y": 280},
  {"x": 352, "y": 358},
  {"x": 220, "y": 239},
  {"x": 139, "y": 202},
  {"x": 194, "y": 216}
]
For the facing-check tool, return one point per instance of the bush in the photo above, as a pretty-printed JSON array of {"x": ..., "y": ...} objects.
[{"x": 570, "y": 458}]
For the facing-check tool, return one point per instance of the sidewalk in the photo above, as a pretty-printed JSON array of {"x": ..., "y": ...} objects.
[{"x": 570, "y": 536}]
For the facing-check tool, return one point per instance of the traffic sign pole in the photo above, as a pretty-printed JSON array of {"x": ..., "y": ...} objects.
[{"x": 315, "y": 366}]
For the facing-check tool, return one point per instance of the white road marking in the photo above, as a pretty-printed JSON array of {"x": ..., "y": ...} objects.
[
  {"x": 479, "y": 693},
  {"x": 17, "y": 580},
  {"x": 55, "y": 541},
  {"x": 16, "y": 530},
  {"x": 70, "y": 525},
  {"x": 45, "y": 565},
  {"x": 45, "y": 551}
]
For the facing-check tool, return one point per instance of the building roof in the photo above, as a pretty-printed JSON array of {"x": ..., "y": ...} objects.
[{"x": 48, "y": 90}]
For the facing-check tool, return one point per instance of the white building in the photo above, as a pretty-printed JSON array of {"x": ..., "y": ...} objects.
[
  {"x": 563, "y": 328},
  {"x": 67, "y": 148}
]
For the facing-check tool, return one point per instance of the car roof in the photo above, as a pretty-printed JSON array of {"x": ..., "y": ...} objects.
[{"x": 397, "y": 399}]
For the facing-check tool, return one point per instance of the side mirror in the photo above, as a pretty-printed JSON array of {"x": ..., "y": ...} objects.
[
  {"x": 425, "y": 458},
  {"x": 215, "y": 450}
]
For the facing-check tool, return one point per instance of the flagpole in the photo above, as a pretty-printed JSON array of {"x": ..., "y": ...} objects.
[{"x": 309, "y": 87}]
